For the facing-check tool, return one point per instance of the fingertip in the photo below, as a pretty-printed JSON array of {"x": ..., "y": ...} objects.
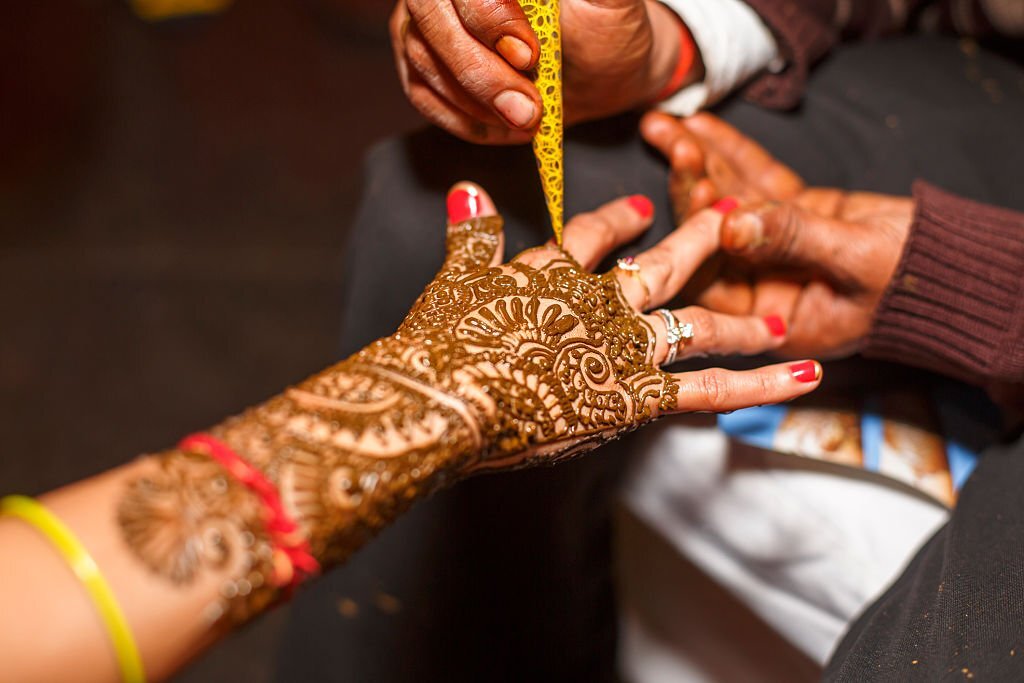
[
  {"x": 725, "y": 205},
  {"x": 655, "y": 126},
  {"x": 468, "y": 200},
  {"x": 687, "y": 155},
  {"x": 806, "y": 372},
  {"x": 518, "y": 109},
  {"x": 776, "y": 326},
  {"x": 642, "y": 205},
  {"x": 702, "y": 195},
  {"x": 701, "y": 122},
  {"x": 742, "y": 231},
  {"x": 516, "y": 52}
]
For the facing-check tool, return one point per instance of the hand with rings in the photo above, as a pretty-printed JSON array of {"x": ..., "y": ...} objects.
[
  {"x": 653, "y": 278},
  {"x": 547, "y": 359}
]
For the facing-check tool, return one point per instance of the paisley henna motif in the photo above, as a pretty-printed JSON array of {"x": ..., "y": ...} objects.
[{"x": 494, "y": 367}]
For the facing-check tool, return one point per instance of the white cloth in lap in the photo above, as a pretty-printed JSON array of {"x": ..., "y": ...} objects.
[{"x": 806, "y": 550}]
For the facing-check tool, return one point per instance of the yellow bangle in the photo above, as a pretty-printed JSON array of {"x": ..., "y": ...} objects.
[{"x": 81, "y": 562}]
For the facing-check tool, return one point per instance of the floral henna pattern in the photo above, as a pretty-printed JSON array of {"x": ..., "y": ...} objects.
[
  {"x": 187, "y": 515},
  {"x": 504, "y": 366}
]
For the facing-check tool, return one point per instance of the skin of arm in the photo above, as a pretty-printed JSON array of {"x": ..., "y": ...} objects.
[
  {"x": 494, "y": 367},
  {"x": 497, "y": 366}
]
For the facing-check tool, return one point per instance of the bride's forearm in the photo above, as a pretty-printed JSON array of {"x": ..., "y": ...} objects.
[
  {"x": 345, "y": 452},
  {"x": 191, "y": 540}
]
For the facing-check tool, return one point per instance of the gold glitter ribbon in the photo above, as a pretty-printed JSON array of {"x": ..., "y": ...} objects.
[{"x": 547, "y": 144}]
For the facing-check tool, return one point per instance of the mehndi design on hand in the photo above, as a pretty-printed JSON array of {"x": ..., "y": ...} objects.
[{"x": 495, "y": 366}]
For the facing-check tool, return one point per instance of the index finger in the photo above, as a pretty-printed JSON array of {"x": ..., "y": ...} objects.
[
  {"x": 765, "y": 171},
  {"x": 676, "y": 143},
  {"x": 716, "y": 390}
]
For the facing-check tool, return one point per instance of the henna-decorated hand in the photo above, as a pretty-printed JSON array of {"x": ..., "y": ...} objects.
[
  {"x": 820, "y": 258},
  {"x": 496, "y": 366},
  {"x": 546, "y": 359}
]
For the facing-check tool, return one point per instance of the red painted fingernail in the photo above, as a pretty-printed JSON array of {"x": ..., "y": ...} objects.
[
  {"x": 806, "y": 371},
  {"x": 776, "y": 325},
  {"x": 725, "y": 205},
  {"x": 463, "y": 204},
  {"x": 642, "y": 205}
]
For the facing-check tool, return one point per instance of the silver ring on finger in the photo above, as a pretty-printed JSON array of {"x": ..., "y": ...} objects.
[{"x": 676, "y": 332}]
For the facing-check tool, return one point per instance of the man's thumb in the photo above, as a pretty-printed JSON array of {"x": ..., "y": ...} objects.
[{"x": 783, "y": 234}]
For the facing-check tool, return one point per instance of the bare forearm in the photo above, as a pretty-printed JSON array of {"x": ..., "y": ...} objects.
[{"x": 186, "y": 546}]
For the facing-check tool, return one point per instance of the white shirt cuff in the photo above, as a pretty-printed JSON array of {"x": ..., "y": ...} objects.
[{"x": 734, "y": 44}]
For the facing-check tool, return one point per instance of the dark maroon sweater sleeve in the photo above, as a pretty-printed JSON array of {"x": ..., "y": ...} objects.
[
  {"x": 956, "y": 302},
  {"x": 806, "y": 30}
]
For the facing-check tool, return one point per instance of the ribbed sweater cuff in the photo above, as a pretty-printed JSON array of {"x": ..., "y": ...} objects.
[{"x": 956, "y": 302}]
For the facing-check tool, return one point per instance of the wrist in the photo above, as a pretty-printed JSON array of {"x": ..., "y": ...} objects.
[
  {"x": 352, "y": 448},
  {"x": 675, "y": 61},
  {"x": 300, "y": 482}
]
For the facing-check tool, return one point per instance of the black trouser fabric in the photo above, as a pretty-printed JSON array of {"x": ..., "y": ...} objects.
[
  {"x": 957, "y": 612},
  {"x": 508, "y": 577}
]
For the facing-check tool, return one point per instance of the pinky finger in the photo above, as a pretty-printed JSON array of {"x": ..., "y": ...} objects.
[{"x": 716, "y": 390}]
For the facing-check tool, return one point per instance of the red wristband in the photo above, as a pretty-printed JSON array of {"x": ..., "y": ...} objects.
[
  {"x": 283, "y": 531},
  {"x": 687, "y": 54}
]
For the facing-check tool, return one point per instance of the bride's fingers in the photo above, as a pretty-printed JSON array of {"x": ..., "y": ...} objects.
[
  {"x": 475, "y": 238},
  {"x": 591, "y": 236},
  {"x": 658, "y": 274},
  {"x": 716, "y": 390},
  {"x": 706, "y": 333}
]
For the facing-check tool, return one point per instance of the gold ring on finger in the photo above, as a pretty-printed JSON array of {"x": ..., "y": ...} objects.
[
  {"x": 675, "y": 332},
  {"x": 628, "y": 264}
]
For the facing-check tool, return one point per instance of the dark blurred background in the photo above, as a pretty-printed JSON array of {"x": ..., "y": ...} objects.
[{"x": 174, "y": 198}]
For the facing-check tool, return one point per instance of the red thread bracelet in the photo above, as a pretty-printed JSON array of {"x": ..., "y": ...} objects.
[
  {"x": 283, "y": 531},
  {"x": 687, "y": 54}
]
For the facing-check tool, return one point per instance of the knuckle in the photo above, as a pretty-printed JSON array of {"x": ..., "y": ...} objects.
[
  {"x": 427, "y": 12},
  {"x": 714, "y": 389},
  {"x": 705, "y": 326},
  {"x": 765, "y": 386},
  {"x": 476, "y": 73},
  {"x": 418, "y": 57},
  {"x": 490, "y": 16},
  {"x": 656, "y": 271},
  {"x": 596, "y": 227},
  {"x": 786, "y": 220}
]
